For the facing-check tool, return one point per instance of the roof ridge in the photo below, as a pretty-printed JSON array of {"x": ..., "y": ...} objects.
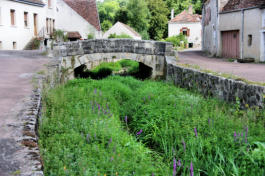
[{"x": 130, "y": 28}]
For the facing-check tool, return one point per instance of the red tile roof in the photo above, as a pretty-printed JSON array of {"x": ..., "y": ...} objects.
[
  {"x": 87, "y": 9},
  {"x": 241, "y": 4},
  {"x": 73, "y": 35},
  {"x": 186, "y": 17}
]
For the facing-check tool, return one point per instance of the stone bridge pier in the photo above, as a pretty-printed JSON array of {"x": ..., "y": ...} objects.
[{"x": 91, "y": 53}]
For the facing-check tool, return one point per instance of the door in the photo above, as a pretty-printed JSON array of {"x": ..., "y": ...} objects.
[
  {"x": 230, "y": 44},
  {"x": 35, "y": 24}
]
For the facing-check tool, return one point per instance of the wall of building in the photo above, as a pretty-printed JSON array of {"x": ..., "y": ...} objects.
[
  {"x": 119, "y": 29},
  {"x": 18, "y": 33},
  {"x": 195, "y": 31},
  {"x": 210, "y": 28},
  {"x": 69, "y": 20},
  {"x": 262, "y": 41},
  {"x": 252, "y": 26}
]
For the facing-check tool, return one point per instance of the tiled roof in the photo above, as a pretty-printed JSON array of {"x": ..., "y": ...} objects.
[
  {"x": 241, "y": 4},
  {"x": 37, "y": 2},
  {"x": 87, "y": 9},
  {"x": 130, "y": 29},
  {"x": 73, "y": 35},
  {"x": 186, "y": 17}
]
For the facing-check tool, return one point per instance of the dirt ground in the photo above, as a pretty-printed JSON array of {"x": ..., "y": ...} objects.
[
  {"x": 250, "y": 71},
  {"x": 17, "y": 69}
]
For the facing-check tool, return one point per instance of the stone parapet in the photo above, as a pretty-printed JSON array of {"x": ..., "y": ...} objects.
[{"x": 210, "y": 85}]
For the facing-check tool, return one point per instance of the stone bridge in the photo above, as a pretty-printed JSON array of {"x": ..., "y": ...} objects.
[{"x": 93, "y": 52}]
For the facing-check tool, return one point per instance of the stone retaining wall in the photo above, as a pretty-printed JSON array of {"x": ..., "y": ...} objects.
[{"x": 210, "y": 85}]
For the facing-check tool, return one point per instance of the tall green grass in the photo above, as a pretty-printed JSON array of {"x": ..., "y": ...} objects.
[{"x": 84, "y": 131}]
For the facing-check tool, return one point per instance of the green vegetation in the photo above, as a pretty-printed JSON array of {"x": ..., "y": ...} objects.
[
  {"x": 123, "y": 67},
  {"x": 149, "y": 18},
  {"x": 119, "y": 36},
  {"x": 122, "y": 126},
  {"x": 178, "y": 40},
  {"x": 90, "y": 36}
]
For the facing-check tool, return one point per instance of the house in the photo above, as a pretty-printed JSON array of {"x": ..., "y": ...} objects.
[
  {"x": 22, "y": 21},
  {"x": 234, "y": 29},
  {"x": 120, "y": 28},
  {"x": 188, "y": 24}
]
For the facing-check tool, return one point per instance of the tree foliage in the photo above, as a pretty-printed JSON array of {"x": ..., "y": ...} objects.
[
  {"x": 148, "y": 17},
  {"x": 158, "y": 18}
]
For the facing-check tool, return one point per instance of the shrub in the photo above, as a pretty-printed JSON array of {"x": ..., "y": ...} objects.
[
  {"x": 90, "y": 36},
  {"x": 119, "y": 36},
  {"x": 178, "y": 40}
]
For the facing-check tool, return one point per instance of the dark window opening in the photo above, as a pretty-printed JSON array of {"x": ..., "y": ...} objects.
[
  {"x": 249, "y": 40},
  {"x": 185, "y": 32},
  {"x": 26, "y": 19},
  {"x": 190, "y": 45}
]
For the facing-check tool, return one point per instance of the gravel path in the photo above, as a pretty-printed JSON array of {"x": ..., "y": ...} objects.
[
  {"x": 16, "y": 72},
  {"x": 250, "y": 71}
]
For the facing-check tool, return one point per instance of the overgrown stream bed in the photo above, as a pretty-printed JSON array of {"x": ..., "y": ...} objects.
[{"x": 123, "y": 126}]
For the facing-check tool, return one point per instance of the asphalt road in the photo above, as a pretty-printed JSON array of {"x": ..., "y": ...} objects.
[
  {"x": 250, "y": 71},
  {"x": 16, "y": 72}
]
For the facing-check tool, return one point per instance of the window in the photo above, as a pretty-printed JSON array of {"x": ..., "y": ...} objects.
[
  {"x": 249, "y": 40},
  {"x": 12, "y": 15},
  {"x": 185, "y": 32},
  {"x": 47, "y": 25},
  {"x": 53, "y": 25},
  {"x": 1, "y": 45},
  {"x": 49, "y": 3},
  {"x": 14, "y": 45},
  {"x": 26, "y": 19}
]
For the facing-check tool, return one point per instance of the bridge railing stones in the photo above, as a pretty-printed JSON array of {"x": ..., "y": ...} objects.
[
  {"x": 114, "y": 46},
  {"x": 93, "y": 52}
]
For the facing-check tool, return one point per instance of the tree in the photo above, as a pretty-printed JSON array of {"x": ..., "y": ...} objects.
[
  {"x": 122, "y": 15},
  {"x": 107, "y": 10},
  {"x": 106, "y": 25},
  {"x": 158, "y": 18},
  {"x": 138, "y": 16}
]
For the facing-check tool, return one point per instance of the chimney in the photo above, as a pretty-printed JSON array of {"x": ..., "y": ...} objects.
[
  {"x": 172, "y": 14},
  {"x": 190, "y": 11}
]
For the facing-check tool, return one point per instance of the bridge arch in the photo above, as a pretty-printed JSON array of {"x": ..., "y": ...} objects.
[{"x": 93, "y": 52}]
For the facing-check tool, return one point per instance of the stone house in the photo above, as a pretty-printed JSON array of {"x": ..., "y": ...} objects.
[
  {"x": 120, "y": 28},
  {"x": 22, "y": 21},
  {"x": 234, "y": 29},
  {"x": 188, "y": 24}
]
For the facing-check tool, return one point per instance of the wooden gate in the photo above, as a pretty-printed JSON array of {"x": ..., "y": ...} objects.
[{"x": 230, "y": 44}]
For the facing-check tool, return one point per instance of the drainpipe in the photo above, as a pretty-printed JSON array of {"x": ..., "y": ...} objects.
[{"x": 242, "y": 34}]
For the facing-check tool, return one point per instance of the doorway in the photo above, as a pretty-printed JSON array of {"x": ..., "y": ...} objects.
[{"x": 230, "y": 44}]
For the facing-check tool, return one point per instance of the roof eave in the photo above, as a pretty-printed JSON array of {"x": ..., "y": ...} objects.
[
  {"x": 29, "y": 3},
  {"x": 243, "y": 9}
]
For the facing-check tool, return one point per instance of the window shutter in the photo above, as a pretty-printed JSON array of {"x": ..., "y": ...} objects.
[{"x": 188, "y": 32}]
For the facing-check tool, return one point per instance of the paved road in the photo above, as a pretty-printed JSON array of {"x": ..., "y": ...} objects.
[
  {"x": 250, "y": 71},
  {"x": 16, "y": 71}
]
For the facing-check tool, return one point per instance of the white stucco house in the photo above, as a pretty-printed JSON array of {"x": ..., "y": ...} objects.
[
  {"x": 188, "y": 24},
  {"x": 120, "y": 28},
  {"x": 23, "y": 20}
]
